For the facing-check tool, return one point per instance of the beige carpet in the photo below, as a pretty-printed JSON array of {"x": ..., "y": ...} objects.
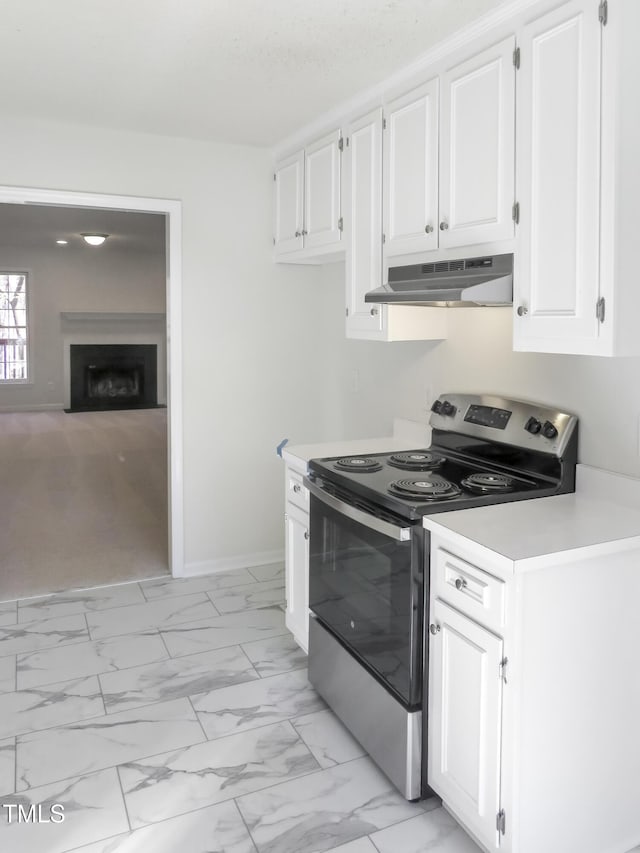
[{"x": 83, "y": 499}]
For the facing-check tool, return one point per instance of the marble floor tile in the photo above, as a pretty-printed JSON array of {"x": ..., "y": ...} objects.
[
  {"x": 216, "y": 829},
  {"x": 171, "y": 587},
  {"x": 79, "y": 601},
  {"x": 7, "y": 674},
  {"x": 324, "y": 809},
  {"x": 275, "y": 655},
  {"x": 269, "y": 572},
  {"x": 187, "y": 779},
  {"x": 7, "y": 766},
  {"x": 434, "y": 832},
  {"x": 231, "y": 629},
  {"x": 8, "y": 612},
  {"x": 42, "y": 634},
  {"x": 93, "y": 809},
  {"x": 360, "y": 845},
  {"x": 257, "y": 594},
  {"x": 329, "y": 741},
  {"x": 92, "y": 658},
  {"x": 154, "y": 614},
  {"x": 105, "y": 741},
  {"x": 43, "y": 707},
  {"x": 176, "y": 677},
  {"x": 256, "y": 703}
]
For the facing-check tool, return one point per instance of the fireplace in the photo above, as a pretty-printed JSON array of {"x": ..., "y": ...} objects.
[{"x": 113, "y": 376}]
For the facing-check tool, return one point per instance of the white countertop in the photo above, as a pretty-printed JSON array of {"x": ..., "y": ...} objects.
[
  {"x": 603, "y": 515},
  {"x": 407, "y": 435}
]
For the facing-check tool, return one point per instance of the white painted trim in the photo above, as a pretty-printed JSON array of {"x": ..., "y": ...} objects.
[
  {"x": 33, "y": 407},
  {"x": 243, "y": 561},
  {"x": 375, "y": 95},
  {"x": 172, "y": 208}
]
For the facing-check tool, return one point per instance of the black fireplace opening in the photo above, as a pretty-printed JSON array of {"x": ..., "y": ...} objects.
[{"x": 113, "y": 376}]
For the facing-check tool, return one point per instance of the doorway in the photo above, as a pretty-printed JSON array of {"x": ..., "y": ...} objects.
[{"x": 106, "y": 327}]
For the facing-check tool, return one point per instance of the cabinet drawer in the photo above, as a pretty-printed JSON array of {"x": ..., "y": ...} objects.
[
  {"x": 297, "y": 493},
  {"x": 468, "y": 588}
]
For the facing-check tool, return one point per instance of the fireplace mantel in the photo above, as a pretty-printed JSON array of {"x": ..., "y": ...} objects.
[{"x": 111, "y": 316}]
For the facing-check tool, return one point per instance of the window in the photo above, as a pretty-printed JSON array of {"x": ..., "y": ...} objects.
[{"x": 14, "y": 366}]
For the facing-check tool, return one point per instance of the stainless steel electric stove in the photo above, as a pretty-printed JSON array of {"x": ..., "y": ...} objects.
[{"x": 368, "y": 563}]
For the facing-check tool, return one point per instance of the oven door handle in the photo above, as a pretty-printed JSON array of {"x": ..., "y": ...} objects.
[{"x": 400, "y": 534}]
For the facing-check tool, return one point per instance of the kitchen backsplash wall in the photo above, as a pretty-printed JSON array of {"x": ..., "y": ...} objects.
[{"x": 398, "y": 378}]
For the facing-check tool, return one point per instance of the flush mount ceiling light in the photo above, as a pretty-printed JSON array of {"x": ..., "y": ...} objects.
[
  {"x": 94, "y": 239},
  {"x": 62, "y": 242}
]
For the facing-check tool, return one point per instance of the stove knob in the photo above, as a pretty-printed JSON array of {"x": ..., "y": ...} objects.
[
  {"x": 437, "y": 407},
  {"x": 533, "y": 426},
  {"x": 549, "y": 430},
  {"x": 447, "y": 409}
]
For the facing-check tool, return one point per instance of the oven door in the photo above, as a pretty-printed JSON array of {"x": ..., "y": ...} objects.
[{"x": 366, "y": 588}]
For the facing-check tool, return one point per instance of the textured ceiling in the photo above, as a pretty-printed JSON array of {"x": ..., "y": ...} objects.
[{"x": 247, "y": 71}]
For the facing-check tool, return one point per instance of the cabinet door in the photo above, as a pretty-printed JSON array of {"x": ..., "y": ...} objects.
[
  {"x": 477, "y": 148},
  {"x": 288, "y": 203},
  {"x": 465, "y": 719},
  {"x": 363, "y": 215},
  {"x": 557, "y": 279},
  {"x": 411, "y": 172},
  {"x": 297, "y": 574},
  {"x": 322, "y": 191}
]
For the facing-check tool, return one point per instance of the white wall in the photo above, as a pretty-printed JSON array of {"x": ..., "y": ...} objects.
[
  {"x": 70, "y": 279},
  {"x": 252, "y": 343},
  {"x": 403, "y": 378}
]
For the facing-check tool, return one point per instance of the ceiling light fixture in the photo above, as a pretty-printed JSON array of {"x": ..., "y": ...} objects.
[
  {"x": 94, "y": 239},
  {"x": 62, "y": 242}
]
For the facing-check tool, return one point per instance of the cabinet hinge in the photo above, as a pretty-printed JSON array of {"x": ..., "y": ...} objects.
[
  {"x": 515, "y": 212},
  {"x": 384, "y": 238},
  {"x": 384, "y": 124},
  {"x": 274, "y": 176},
  {"x": 347, "y": 141},
  {"x": 516, "y": 58},
  {"x": 603, "y": 13},
  {"x": 501, "y": 820},
  {"x": 503, "y": 669},
  {"x": 341, "y": 144},
  {"x": 274, "y": 241},
  {"x": 600, "y": 309},
  {"x": 340, "y": 224},
  {"x": 346, "y": 312}
]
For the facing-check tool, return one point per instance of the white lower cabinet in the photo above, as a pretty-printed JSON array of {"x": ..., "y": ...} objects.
[
  {"x": 533, "y": 696},
  {"x": 297, "y": 558},
  {"x": 465, "y": 719}
]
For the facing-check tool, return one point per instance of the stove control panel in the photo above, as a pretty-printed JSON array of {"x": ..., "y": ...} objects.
[{"x": 521, "y": 424}]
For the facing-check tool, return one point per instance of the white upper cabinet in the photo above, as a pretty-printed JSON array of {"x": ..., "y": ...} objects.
[
  {"x": 322, "y": 222},
  {"x": 288, "y": 213},
  {"x": 308, "y": 217},
  {"x": 477, "y": 148},
  {"x": 363, "y": 216},
  {"x": 559, "y": 103},
  {"x": 411, "y": 171},
  {"x": 363, "y": 205}
]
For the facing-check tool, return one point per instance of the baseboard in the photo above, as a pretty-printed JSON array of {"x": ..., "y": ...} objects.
[
  {"x": 31, "y": 407},
  {"x": 242, "y": 561}
]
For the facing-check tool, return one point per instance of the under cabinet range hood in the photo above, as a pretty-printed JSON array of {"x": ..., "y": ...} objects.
[{"x": 449, "y": 284}]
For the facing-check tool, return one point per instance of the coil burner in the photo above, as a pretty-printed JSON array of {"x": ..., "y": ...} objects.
[
  {"x": 431, "y": 488},
  {"x": 416, "y": 461},
  {"x": 486, "y": 482},
  {"x": 358, "y": 464}
]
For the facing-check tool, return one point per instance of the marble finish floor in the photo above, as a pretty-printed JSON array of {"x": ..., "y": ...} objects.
[
  {"x": 176, "y": 715},
  {"x": 83, "y": 499}
]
